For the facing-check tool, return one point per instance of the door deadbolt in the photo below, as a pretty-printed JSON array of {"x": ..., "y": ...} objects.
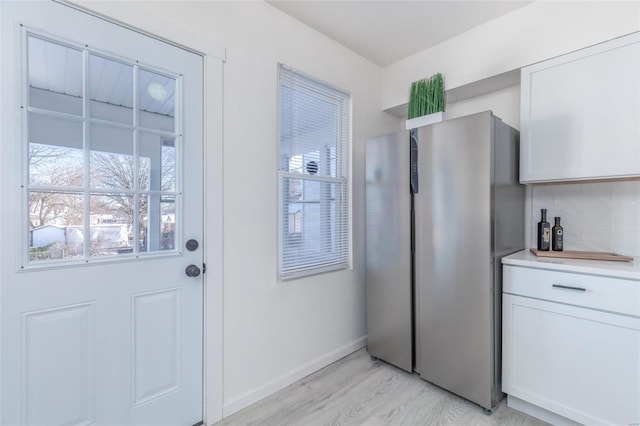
[
  {"x": 192, "y": 271},
  {"x": 192, "y": 245}
]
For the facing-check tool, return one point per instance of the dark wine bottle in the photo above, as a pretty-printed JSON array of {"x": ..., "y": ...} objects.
[
  {"x": 557, "y": 235},
  {"x": 544, "y": 232}
]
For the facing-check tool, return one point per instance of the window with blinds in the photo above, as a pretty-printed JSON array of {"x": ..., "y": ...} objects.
[{"x": 313, "y": 193}]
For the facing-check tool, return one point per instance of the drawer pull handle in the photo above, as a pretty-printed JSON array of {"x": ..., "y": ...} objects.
[{"x": 568, "y": 287}]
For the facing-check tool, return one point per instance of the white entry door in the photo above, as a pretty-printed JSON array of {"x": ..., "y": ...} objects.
[{"x": 101, "y": 217}]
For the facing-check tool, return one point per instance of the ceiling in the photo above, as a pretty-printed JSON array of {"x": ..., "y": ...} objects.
[{"x": 387, "y": 31}]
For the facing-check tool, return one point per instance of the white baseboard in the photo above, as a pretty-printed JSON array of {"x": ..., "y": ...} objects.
[
  {"x": 248, "y": 398},
  {"x": 539, "y": 412}
]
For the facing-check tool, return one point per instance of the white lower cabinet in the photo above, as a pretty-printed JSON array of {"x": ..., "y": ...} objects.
[{"x": 580, "y": 363}]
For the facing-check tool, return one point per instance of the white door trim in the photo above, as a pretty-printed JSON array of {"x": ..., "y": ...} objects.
[
  {"x": 214, "y": 55},
  {"x": 129, "y": 16},
  {"x": 213, "y": 231}
]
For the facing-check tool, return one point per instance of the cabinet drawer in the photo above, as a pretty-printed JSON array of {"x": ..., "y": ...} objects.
[{"x": 608, "y": 294}]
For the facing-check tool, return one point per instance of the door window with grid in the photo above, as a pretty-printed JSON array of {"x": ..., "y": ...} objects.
[
  {"x": 101, "y": 154},
  {"x": 315, "y": 137}
]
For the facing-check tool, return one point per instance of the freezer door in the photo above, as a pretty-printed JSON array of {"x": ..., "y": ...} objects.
[
  {"x": 454, "y": 257},
  {"x": 388, "y": 248}
]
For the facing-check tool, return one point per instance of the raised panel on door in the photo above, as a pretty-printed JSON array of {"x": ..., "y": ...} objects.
[
  {"x": 58, "y": 358},
  {"x": 157, "y": 344},
  {"x": 579, "y": 363}
]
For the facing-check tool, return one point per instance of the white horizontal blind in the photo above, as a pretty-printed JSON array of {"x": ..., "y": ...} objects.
[{"x": 315, "y": 134}]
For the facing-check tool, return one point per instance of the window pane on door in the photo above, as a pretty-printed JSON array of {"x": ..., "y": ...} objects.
[
  {"x": 56, "y": 228},
  {"x": 110, "y": 90},
  {"x": 157, "y": 222},
  {"x": 55, "y": 155},
  {"x": 158, "y": 159},
  {"x": 111, "y": 224},
  {"x": 111, "y": 163},
  {"x": 168, "y": 223},
  {"x": 144, "y": 173},
  {"x": 156, "y": 101},
  {"x": 168, "y": 165},
  {"x": 54, "y": 76}
]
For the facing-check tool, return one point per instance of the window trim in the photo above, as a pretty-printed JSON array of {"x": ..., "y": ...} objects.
[{"x": 343, "y": 178}]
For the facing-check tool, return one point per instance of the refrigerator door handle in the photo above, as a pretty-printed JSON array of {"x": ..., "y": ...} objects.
[{"x": 413, "y": 140}]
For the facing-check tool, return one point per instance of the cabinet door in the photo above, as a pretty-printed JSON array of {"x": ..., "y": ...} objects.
[
  {"x": 579, "y": 363},
  {"x": 579, "y": 114}
]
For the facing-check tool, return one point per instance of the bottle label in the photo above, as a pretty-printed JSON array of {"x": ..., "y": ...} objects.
[{"x": 546, "y": 237}]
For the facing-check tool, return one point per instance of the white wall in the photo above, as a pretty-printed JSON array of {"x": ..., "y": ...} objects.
[
  {"x": 504, "y": 103},
  {"x": 275, "y": 333},
  {"x": 530, "y": 34}
]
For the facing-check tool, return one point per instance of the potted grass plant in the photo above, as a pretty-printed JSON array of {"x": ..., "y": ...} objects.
[{"x": 426, "y": 101}]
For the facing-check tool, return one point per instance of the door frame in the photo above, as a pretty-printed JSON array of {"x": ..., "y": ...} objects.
[{"x": 214, "y": 56}]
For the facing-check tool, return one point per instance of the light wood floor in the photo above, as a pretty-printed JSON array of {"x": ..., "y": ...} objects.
[{"x": 358, "y": 391}]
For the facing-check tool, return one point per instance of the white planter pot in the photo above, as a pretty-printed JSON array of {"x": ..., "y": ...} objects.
[{"x": 424, "y": 120}]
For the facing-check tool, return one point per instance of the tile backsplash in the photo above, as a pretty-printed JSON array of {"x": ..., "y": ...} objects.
[{"x": 603, "y": 216}]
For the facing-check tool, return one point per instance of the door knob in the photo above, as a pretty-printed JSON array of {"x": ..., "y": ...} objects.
[{"x": 192, "y": 271}]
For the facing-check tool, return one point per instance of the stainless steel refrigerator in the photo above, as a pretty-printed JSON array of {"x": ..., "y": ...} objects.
[{"x": 443, "y": 206}]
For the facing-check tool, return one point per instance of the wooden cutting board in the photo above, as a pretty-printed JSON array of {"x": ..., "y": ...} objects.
[{"x": 590, "y": 255}]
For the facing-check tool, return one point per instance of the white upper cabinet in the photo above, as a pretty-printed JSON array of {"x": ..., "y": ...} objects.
[{"x": 580, "y": 114}]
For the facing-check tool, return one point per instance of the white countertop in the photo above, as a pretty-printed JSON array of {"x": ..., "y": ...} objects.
[{"x": 616, "y": 269}]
